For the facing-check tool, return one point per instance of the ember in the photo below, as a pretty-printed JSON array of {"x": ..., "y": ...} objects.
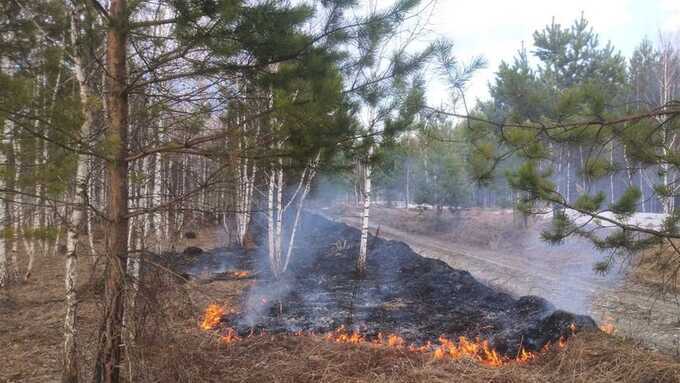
[
  {"x": 608, "y": 327},
  {"x": 230, "y": 336},
  {"x": 212, "y": 317},
  {"x": 563, "y": 342},
  {"x": 241, "y": 274}
]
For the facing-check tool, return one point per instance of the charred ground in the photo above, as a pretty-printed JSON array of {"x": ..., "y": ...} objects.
[{"x": 402, "y": 292}]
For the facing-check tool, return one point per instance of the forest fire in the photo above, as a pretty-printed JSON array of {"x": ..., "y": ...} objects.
[
  {"x": 212, "y": 317},
  {"x": 444, "y": 349}
]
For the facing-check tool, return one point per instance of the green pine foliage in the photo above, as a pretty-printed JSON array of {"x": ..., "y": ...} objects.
[{"x": 626, "y": 205}]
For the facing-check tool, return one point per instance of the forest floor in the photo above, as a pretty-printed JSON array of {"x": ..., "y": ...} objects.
[
  {"x": 172, "y": 348},
  {"x": 494, "y": 248}
]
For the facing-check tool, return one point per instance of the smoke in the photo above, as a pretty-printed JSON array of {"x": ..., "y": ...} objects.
[
  {"x": 261, "y": 299},
  {"x": 564, "y": 273}
]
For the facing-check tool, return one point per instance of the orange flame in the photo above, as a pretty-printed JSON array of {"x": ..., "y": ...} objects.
[
  {"x": 212, "y": 317},
  {"x": 478, "y": 350},
  {"x": 562, "y": 342},
  {"x": 240, "y": 274},
  {"x": 341, "y": 335},
  {"x": 465, "y": 348},
  {"x": 230, "y": 336},
  {"x": 608, "y": 327},
  {"x": 525, "y": 356}
]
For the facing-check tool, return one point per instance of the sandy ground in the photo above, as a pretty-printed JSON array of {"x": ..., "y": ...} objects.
[{"x": 519, "y": 262}]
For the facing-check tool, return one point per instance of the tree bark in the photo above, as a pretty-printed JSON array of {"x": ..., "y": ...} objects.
[
  {"x": 108, "y": 362},
  {"x": 4, "y": 269}
]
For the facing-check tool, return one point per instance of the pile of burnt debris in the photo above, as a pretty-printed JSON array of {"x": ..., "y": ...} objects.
[{"x": 401, "y": 293}]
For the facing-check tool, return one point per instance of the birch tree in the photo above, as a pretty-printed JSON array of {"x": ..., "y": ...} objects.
[{"x": 77, "y": 214}]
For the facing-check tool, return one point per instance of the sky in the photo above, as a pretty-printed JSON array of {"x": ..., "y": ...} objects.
[{"x": 496, "y": 29}]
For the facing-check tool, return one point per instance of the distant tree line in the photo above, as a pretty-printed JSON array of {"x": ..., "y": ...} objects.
[{"x": 536, "y": 110}]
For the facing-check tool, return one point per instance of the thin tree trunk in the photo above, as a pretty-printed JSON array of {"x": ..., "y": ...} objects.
[
  {"x": 77, "y": 215},
  {"x": 5, "y": 126},
  {"x": 311, "y": 173},
  {"x": 611, "y": 175},
  {"x": 363, "y": 246},
  {"x": 408, "y": 191},
  {"x": 273, "y": 259},
  {"x": 279, "y": 216}
]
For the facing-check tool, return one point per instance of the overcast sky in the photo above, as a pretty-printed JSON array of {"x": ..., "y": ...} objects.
[{"x": 496, "y": 29}]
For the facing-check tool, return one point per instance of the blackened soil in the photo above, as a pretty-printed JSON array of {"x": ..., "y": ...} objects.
[{"x": 402, "y": 292}]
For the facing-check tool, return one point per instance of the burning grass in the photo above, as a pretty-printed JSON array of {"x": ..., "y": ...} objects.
[
  {"x": 445, "y": 349},
  {"x": 589, "y": 357},
  {"x": 212, "y": 317}
]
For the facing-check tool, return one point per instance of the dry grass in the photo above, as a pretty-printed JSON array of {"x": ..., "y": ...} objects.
[
  {"x": 591, "y": 357},
  {"x": 659, "y": 268},
  {"x": 483, "y": 228},
  {"x": 31, "y": 323}
]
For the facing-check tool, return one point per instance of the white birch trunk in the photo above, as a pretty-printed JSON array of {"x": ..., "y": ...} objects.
[
  {"x": 77, "y": 214},
  {"x": 363, "y": 245},
  {"x": 246, "y": 171},
  {"x": 310, "y": 173},
  {"x": 568, "y": 186},
  {"x": 642, "y": 191},
  {"x": 4, "y": 269},
  {"x": 279, "y": 215},
  {"x": 611, "y": 175},
  {"x": 273, "y": 259},
  {"x": 408, "y": 191},
  {"x": 155, "y": 219}
]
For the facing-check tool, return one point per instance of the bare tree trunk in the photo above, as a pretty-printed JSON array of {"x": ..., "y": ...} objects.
[
  {"x": 642, "y": 190},
  {"x": 363, "y": 245},
  {"x": 311, "y": 173},
  {"x": 408, "y": 176},
  {"x": 611, "y": 175},
  {"x": 77, "y": 213},
  {"x": 271, "y": 247},
  {"x": 568, "y": 186},
  {"x": 279, "y": 216},
  {"x": 12, "y": 209},
  {"x": 4, "y": 128},
  {"x": 88, "y": 212},
  {"x": 108, "y": 360}
]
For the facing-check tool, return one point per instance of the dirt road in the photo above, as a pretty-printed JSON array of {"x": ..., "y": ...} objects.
[{"x": 562, "y": 274}]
